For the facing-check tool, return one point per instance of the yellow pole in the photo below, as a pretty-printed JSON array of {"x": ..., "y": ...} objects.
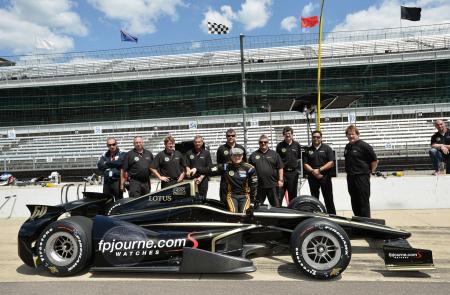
[{"x": 319, "y": 59}]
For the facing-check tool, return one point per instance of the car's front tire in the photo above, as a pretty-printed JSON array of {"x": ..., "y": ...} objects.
[
  {"x": 321, "y": 249},
  {"x": 64, "y": 248}
]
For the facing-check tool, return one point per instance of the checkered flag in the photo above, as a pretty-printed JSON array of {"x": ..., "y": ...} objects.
[{"x": 218, "y": 29}]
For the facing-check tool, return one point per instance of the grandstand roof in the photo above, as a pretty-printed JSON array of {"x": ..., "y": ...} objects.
[{"x": 262, "y": 53}]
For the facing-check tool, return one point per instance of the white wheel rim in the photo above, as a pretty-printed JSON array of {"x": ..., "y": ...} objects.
[{"x": 321, "y": 250}]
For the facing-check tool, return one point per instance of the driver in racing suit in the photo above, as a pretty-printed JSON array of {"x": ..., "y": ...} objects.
[{"x": 240, "y": 178}]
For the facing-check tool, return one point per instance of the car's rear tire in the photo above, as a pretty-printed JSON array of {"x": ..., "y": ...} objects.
[
  {"x": 321, "y": 249},
  {"x": 307, "y": 203},
  {"x": 64, "y": 248}
]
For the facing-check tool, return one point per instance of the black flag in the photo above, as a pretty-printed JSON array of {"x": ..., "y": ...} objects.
[{"x": 410, "y": 13}]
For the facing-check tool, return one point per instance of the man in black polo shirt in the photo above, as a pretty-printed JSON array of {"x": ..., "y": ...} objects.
[
  {"x": 440, "y": 146},
  {"x": 196, "y": 158},
  {"x": 224, "y": 156},
  {"x": 169, "y": 164},
  {"x": 319, "y": 160},
  {"x": 290, "y": 152},
  {"x": 269, "y": 168},
  {"x": 136, "y": 165},
  {"x": 360, "y": 162}
]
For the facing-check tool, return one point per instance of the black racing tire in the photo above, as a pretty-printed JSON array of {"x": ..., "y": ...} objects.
[
  {"x": 307, "y": 203},
  {"x": 64, "y": 248},
  {"x": 321, "y": 249}
]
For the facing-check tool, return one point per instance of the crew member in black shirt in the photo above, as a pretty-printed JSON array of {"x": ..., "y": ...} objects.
[
  {"x": 110, "y": 164},
  {"x": 269, "y": 168},
  {"x": 240, "y": 178},
  {"x": 290, "y": 152},
  {"x": 319, "y": 160},
  {"x": 360, "y": 162},
  {"x": 169, "y": 164},
  {"x": 137, "y": 165},
  {"x": 440, "y": 146},
  {"x": 199, "y": 157},
  {"x": 224, "y": 156}
]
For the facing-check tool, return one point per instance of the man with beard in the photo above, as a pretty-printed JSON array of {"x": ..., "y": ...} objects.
[
  {"x": 169, "y": 164},
  {"x": 319, "y": 160},
  {"x": 269, "y": 169}
]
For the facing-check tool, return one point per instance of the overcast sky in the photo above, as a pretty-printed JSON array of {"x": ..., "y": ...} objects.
[{"x": 28, "y": 26}]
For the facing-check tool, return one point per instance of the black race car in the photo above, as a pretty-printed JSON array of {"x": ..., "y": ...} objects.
[{"x": 174, "y": 231}]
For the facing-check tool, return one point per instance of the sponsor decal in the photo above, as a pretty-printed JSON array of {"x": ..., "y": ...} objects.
[
  {"x": 283, "y": 150},
  {"x": 38, "y": 212},
  {"x": 405, "y": 256},
  {"x": 136, "y": 159},
  {"x": 226, "y": 152},
  {"x": 179, "y": 191},
  {"x": 231, "y": 173},
  {"x": 310, "y": 152},
  {"x": 438, "y": 139},
  {"x": 257, "y": 157},
  {"x": 125, "y": 245},
  {"x": 191, "y": 157},
  {"x": 167, "y": 198},
  {"x": 166, "y": 159}
]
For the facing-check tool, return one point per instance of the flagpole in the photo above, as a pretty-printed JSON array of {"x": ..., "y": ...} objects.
[
  {"x": 244, "y": 92},
  {"x": 319, "y": 59}
]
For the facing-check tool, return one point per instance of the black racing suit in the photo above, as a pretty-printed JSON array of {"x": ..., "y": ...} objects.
[{"x": 240, "y": 184}]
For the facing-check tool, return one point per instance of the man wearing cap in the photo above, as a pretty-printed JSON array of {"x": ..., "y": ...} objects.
[
  {"x": 169, "y": 164},
  {"x": 224, "y": 156},
  {"x": 110, "y": 164},
  {"x": 240, "y": 179},
  {"x": 290, "y": 152},
  {"x": 269, "y": 168}
]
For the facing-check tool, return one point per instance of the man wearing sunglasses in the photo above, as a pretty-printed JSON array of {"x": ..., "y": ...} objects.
[
  {"x": 224, "y": 156},
  {"x": 319, "y": 161},
  {"x": 110, "y": 164},
  {"x": 269, "y": 168}
]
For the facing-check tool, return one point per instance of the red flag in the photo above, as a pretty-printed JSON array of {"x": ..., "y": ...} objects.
[{"x": 309, "y": 22}]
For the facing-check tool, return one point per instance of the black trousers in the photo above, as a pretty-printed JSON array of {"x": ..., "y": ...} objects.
[
  {"x": 113, "y": 188},
  {"x": 324, "y": 184},
  {"x": 223, "y": 190},
  {"x": 270, "y": 193},
  {"x": 290, "y": 183},
  {"x": 138, "y": 188},
  {"x": 359, "y": 190},
  {"x": 203, "y": 188}
]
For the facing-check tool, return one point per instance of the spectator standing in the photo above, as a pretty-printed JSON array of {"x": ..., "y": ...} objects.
[
  {"x": 137, "y": 165},
  {"x": 199, "y": 157},
  {"x": 169, "y": 164},
  {"x": 224, "y": 156},
  {"x": 360, "y": 162},
  {"x": 440, "y": 145},
  {"x": 269, "y": 168},
  {"x": 318, "y": 163},
  {"x": 110, "y": 164},
  {"x": 290, "y": 152}
]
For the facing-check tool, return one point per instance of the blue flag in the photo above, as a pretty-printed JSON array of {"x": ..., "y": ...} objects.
[{"x": 124, "y": 36}]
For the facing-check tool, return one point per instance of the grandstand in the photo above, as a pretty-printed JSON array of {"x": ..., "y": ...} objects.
[{"x": 61, "y": 107}]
